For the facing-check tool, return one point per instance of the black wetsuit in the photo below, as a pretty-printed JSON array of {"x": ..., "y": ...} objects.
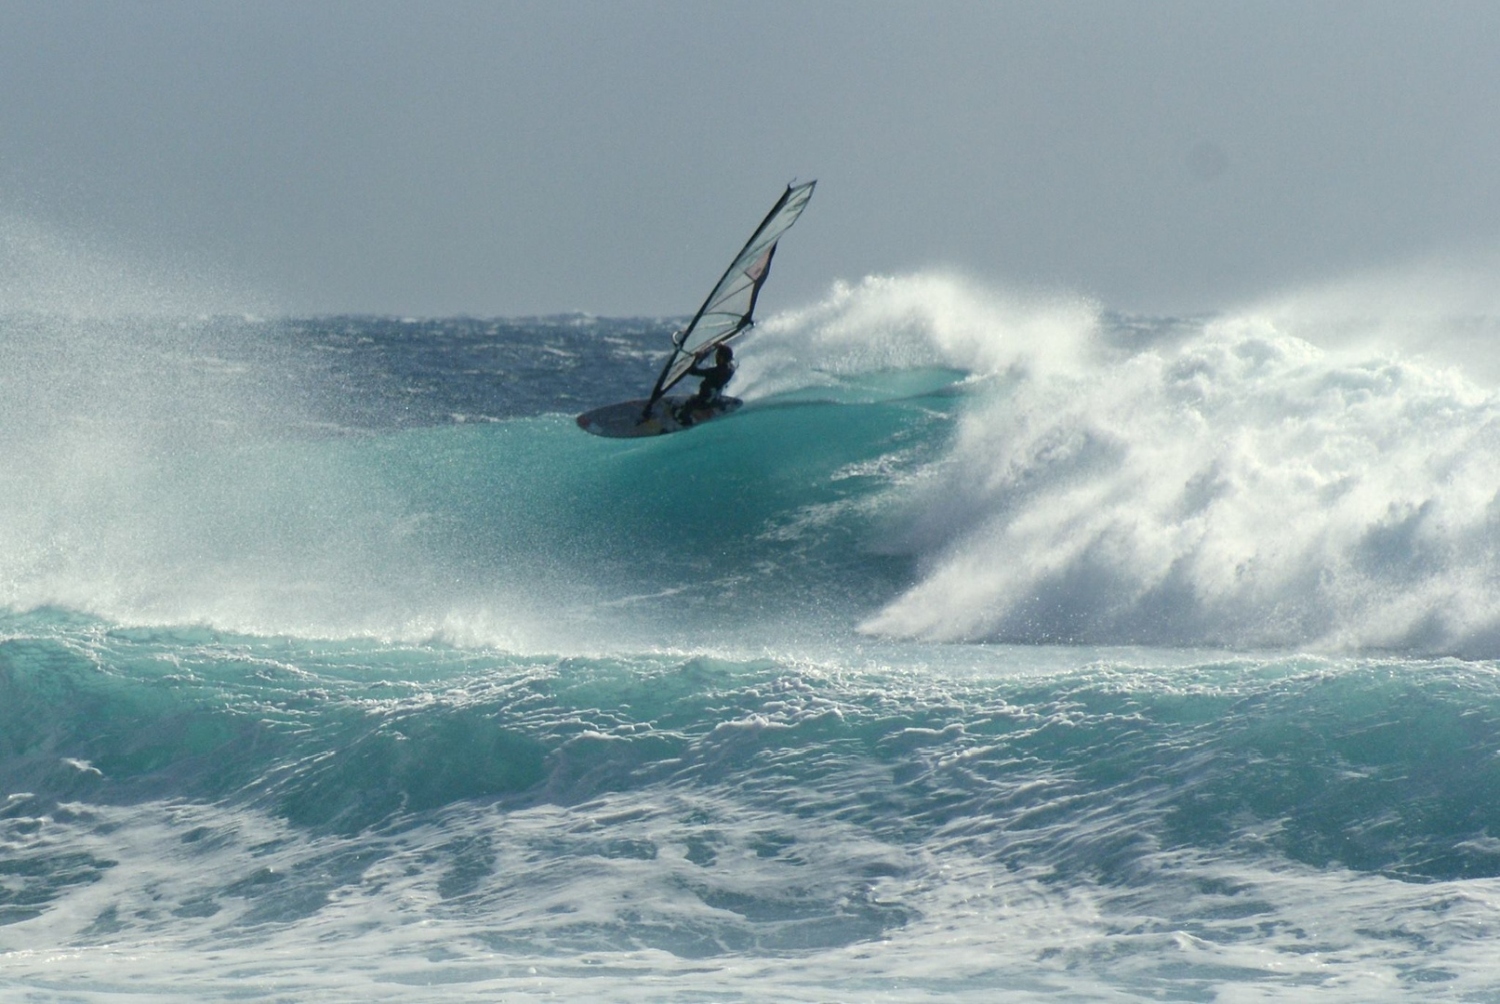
[{"x": 715, "y": 378}]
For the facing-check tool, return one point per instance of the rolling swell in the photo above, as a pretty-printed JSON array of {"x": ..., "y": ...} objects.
[
  {"x": 679, "y": 809},
  {"x": 1373, "y": 766},
  {"x": 137, "y": 717}
]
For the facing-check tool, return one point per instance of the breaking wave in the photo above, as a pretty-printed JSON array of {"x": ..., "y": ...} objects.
[
  {"x": 922, "y": 457},
  {"x": 1186, "y": 481}
]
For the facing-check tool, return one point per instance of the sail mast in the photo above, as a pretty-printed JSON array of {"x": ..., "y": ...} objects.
[{"x": 729, "y": 308}]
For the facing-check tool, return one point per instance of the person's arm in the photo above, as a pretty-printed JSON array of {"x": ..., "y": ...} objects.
[{"x": 697, "y": 369}]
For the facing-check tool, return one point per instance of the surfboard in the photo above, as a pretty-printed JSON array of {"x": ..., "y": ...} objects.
[
  {"x": 728, "y": 311},
  {"x": 631, "y": 419}
]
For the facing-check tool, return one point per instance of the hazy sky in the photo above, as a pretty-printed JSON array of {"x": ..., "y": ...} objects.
[{"x": 515, "y": 158}]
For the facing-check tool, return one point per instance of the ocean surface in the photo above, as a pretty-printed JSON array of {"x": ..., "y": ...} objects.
[{"x": 1002, "y": 648}]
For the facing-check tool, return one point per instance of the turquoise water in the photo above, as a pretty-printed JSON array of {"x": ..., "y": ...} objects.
[{"x": 1007, "y": 654}]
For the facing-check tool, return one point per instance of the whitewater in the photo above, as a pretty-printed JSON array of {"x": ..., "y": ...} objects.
[{"x": 1002, "y": 647}]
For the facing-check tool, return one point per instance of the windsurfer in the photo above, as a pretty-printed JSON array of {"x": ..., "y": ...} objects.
[
  {"x": 726, "y": 313},
  {"x": 711, "y": 388}
]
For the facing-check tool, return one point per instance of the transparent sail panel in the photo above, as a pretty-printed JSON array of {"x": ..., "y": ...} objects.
[{"x": 729, "y": 308}]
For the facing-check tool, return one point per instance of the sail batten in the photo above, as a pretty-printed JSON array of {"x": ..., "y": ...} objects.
[{"x": 730, "y": 307}]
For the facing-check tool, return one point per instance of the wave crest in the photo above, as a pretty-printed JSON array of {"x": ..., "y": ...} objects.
[{"x": 933, "y": 319}]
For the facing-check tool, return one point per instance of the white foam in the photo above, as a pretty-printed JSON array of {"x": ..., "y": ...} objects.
[{"x": 1232, "y": 484}]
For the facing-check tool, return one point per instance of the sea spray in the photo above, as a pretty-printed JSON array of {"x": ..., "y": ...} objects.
[
  {"x": 887, "y": 324},
  {"x": 1178, "y": 482},
  {"x": 1018, "y": 468},
  {"x": 1241, "y": 489}
]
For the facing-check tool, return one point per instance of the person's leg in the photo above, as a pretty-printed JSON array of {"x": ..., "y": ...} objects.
[{"x": 684, "y": 413}]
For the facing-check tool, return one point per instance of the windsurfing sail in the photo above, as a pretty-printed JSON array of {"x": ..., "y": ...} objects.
[{"x": 729, "y": 309}]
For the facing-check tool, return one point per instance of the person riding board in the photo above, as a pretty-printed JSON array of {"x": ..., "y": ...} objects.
[{"x": 711, "y": 388}]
